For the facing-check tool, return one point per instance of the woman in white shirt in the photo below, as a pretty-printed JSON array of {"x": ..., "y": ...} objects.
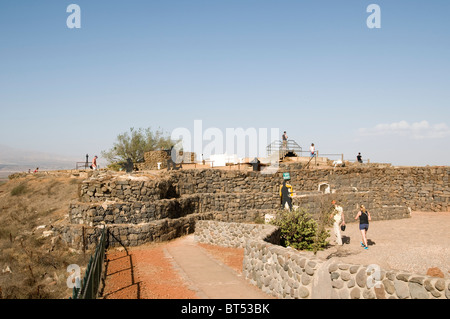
[{"x": 338, "y": 218}]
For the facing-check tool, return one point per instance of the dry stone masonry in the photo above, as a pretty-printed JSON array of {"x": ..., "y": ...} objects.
[
  {"x": 155, "y": 160},
  {"x": 134, "y": 203},
  {"x": 370, "y": 282},
  {"x": 234, "y": 234}
]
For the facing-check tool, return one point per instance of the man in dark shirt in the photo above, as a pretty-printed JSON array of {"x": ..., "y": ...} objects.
[{"x": 359, "y": 158}]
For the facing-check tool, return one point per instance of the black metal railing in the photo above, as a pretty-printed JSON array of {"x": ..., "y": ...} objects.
[
  {"x": 92, "y": 277},
  {"x": 79, "y": 165}
]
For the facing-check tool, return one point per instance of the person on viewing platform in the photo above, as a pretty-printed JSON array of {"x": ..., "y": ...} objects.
[
  {"x": 359, "y": 158},
  {"x": 94, "y": 163},
  {"x": 285, "y": 139},
  {"x": 312, "y": 149}
]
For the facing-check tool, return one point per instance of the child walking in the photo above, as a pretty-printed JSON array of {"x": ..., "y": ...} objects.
[{"x": 364, "y": 217}]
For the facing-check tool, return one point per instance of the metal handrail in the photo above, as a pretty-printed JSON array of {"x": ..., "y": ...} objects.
[
  {"x": 93, "y": 274},
  {"x": 283, "y": 148},
  {"x": 81, "y": 164}
]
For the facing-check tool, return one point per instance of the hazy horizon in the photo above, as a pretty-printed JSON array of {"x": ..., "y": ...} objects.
[{"x": 48, "y": 161}]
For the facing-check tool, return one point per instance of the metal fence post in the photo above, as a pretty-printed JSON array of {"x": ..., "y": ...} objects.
[{"x": 93, "y": 273}]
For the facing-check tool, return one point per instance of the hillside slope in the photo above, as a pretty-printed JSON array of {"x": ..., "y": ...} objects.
[{"x": 33, "y": 259}]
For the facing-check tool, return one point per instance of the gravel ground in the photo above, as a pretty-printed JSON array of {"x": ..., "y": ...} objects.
[{"x": 413, "y": 245}]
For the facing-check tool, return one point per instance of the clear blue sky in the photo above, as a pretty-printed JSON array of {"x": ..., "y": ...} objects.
[{"x": 312, "y": 68}]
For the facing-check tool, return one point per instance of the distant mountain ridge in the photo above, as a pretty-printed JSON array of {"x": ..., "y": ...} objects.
[{"x": 14, "y": 160}]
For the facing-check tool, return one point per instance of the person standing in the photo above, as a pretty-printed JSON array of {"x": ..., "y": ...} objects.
[
  {"x": 364, "y": 218},
  {"x": 285, "y": 139},
  {"x": 94, "y": 163},
  {"x": 286, "y": 196},
  {"x": 359, "y": 158},
  {"x": 312, "y": 149},
  {"x": 338, "y": 220}
]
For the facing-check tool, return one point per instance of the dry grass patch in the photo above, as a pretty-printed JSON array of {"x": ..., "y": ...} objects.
[{"x": 33, "y": 259}]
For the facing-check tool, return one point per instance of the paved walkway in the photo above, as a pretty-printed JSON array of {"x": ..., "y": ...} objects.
[{"x": 209, "y": 278}]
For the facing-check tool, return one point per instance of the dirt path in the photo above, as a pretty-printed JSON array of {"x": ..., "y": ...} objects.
[
  {"x": 144, "y": 272},
  {"x": 153, "y": 271},
  {"x": 179, "y": 269}
]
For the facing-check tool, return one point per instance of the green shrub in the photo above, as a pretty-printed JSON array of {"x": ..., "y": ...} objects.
[{"x": 300, "y": 231}]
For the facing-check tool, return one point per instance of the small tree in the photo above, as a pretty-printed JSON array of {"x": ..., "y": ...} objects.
[
  {"x": 135, "y": 143},
  {"x": 300, "y": 231}
]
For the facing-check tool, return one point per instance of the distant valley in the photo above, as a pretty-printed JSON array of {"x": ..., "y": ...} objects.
[{"x": 14, "y": 160}]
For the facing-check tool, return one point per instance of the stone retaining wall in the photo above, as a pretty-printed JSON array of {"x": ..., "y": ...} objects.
[
  {"x": 112, "y": 212},
  {"x": 152, "y": 158},
  {"x": 229, "y": 207},
  {"x": 126, "y": 188},
  {"x": 246, "y": 196},
  {"x": 288, "y": 273},
  {"x": 421, "y": 188},
  {"x": 81, "y": 236},
  {"x": 281, "y": 272},
  {"x": 379, "y": 208},
  {"x": 158, "y": 231},
  {"x": 229, "y": 234}
]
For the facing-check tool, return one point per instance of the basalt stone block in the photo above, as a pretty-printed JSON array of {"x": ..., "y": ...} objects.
[
  {"x": 440, "y": 284},
  {"x": 403, "y": 276},
  {"x": 353, "y": 269},
  {"x": 355, "y": 293},
  {"x": 301, "y": 292},
  {"x": 417, "y": 291},
  {"x": 361, "y": 278},
  {"x": 338, "y": 283},
  {"x": 389, "y": 286},
  {"x": 369, "y": 294},
  {"x": 345, "y": 276},
  {"x": 335, "y": 275},
  {"x": 401, "y": 289}
]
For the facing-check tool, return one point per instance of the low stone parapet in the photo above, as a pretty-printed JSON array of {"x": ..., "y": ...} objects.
[
  {"x": 372, "y": 282},
  {"x": 288, "y": 273}
]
